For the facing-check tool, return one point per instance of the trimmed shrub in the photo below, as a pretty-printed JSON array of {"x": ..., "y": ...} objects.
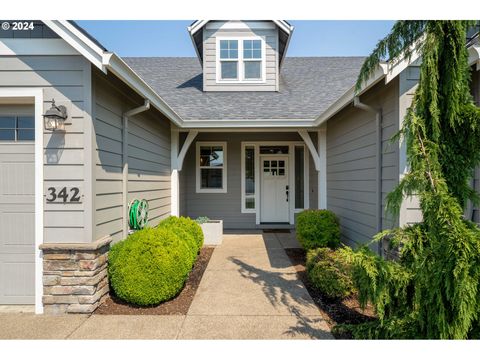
[
  {"x": 329, "y": 271},
  {"x": 150, "y": 266},
  {"x": 187, "y": 229},
  {"x": 318, "y": 228}
]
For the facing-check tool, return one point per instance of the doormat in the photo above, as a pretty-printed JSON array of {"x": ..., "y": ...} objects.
[{"x": 269, "y": 231}]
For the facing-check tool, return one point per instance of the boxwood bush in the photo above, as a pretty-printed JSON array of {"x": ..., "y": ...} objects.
[
  {"x": 150, "y": 266},
  {"x": 318, "y": 228},
  {"x": 187, "y": 229},
  {"x": 329, "y": 271}
]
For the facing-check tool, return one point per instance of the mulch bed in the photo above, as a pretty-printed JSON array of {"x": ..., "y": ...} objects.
[
  {"x": 176, "y": 306},
  {"x": 347, "y": 311}
]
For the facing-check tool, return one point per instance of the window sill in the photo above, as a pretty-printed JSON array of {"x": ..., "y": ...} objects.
[
  {"x": 219, "y": 81},
  {"x": 211, "y": 191}
]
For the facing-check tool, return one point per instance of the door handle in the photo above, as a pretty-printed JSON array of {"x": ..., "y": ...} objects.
[{"x": 286, "y": 191}]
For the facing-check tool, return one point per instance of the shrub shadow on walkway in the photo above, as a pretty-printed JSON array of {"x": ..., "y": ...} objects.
[{"x": 284, "y": 289}]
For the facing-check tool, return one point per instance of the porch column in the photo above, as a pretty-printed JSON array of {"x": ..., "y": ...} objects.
[
  {"x": 177, "y": 158},
  {"x": 322, "y": 171},
  {"x": 175, "y": 188},
  {"x": 319, "y": 156}
]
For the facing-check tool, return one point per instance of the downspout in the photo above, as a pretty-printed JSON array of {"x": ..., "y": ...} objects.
[
  {"x": 125, "y": 118},
  {"x": 378, "y": 149}
]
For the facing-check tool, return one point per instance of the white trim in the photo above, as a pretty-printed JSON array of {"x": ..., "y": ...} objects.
[
  {"x": 474, "y": 56},
  {"x": 322, "y": 171},
  {"x": 240, "y": 61},
  {"x": 37, "y": 96},
  {"x": 192, "y": 134},
  {"x": 110, "y": 61},
  {"x": 223, "y": 144},
  {"x": 306, "y": 195},
  {"x": 12, "y": 47},
  {"x": 78, "y": 41},
  {"x": 291, "y": 176},
  {"x": 282, "y": 25},
  {"x": 308, "y": 141},
  {"x": 248, "y": 123},
  {"x": 243, "y": 147},
  {"x": 199, "y": 24},
  {"x": 291, "y": 184},
  {"x": 387, "y": 71},
  {"x": 175, "y": 193},
  {"x": 240, "y": 25},
  {"x": 257, "y": 185}
]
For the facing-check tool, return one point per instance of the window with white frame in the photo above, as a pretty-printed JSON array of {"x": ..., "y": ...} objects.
[
  {"x": 248, "y": 178},
  {"x": 229, "y": 59},
  {"x": 241, "y": 60},
  {"x": 211, "y": 167},
  {"x": 252, "y": 59}
]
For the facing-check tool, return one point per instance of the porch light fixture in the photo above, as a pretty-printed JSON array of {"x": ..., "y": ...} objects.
[{"x": 55, "y": 117}]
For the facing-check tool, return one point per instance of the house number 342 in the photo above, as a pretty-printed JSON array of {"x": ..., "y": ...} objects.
[{"x": 63, "y": 195}]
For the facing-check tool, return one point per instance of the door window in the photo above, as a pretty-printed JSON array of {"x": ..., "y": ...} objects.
[{"x": 274, "y": 167}]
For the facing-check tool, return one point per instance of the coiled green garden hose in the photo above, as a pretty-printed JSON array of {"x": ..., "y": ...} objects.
[{"x": 138, "y": 214}]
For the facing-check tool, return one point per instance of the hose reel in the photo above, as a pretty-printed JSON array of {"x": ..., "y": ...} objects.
[{"x": 138, "y": 214}]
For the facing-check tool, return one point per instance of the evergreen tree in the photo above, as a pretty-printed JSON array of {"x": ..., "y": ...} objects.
[{"x": 433, "y": 291}]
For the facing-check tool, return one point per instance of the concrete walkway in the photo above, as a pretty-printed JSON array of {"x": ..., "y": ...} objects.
[{"x": 249, "y": 291}]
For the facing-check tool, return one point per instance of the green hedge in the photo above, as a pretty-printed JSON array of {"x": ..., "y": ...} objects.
[
  {"x": 187, "y": 229},
  {"x": 329, "y": 271},
  {"x": 317, "y": 228},
  {"x": 150, "y": 266}
]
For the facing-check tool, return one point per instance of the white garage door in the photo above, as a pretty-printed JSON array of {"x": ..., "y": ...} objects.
[{"x": 17, "y": 208}]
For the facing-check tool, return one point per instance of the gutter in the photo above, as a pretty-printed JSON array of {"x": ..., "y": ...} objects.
[
  {"x": 378, "y": 149},
  {"x": 125, "y": 118}
]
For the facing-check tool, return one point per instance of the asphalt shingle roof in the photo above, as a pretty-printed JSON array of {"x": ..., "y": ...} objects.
[{"x": 308, "y": 86}]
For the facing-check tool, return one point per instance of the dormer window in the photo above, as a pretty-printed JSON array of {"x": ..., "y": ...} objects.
[
  {"x": 252, "y": 59},
  {"x": 229, "y": 59},
  {"x": 240, "y": 60}
]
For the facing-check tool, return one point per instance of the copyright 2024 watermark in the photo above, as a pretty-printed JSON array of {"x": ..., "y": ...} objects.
[{"x": 18, "y": 25}]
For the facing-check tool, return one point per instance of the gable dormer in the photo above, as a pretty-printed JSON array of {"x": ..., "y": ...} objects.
[{"x": 240, "y": 55}]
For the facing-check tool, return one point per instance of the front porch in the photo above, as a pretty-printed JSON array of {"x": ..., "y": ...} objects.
[
  {"x": 250, "y": 179},
  {"x": 250, "y": 290}
]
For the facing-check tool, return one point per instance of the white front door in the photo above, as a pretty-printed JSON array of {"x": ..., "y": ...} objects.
[{"x": 274, "y": 189}]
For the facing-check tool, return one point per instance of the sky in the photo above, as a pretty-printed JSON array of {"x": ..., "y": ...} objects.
[{"x": 170, "y": 38}]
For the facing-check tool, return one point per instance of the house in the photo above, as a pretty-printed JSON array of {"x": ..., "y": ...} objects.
[{"x": 241, "y": 133}]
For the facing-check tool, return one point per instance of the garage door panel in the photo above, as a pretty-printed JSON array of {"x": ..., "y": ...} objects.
[
  {"x": 17, "y": 282},
  {"x": 17, "y": 232},
  {"x": 17, "y": 220},
  {"x": 17, "y": 178}
]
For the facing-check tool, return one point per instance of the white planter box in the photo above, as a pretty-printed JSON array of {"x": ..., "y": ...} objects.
[{"x": 212, "y": 232}]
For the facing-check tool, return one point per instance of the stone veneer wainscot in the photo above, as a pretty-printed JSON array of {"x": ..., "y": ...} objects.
[{"x": 75, "y": 276}]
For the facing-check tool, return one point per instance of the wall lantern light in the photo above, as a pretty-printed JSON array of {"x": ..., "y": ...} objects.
[{"x": 55, "y": 117}]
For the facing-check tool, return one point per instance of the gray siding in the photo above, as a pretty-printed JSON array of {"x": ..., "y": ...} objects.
[
  {"x": 209, "y": 60},
  {"x": 148, "y": 158},
  {"x": 67, "y": 80},
  {"x": 226, "y": 206},
  {"x": 351, "y": 164}
]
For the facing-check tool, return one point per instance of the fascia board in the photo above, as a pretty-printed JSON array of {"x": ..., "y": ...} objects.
[
  {"x": 78, "y": 41},
  {"x": 250, "y": 123}
]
